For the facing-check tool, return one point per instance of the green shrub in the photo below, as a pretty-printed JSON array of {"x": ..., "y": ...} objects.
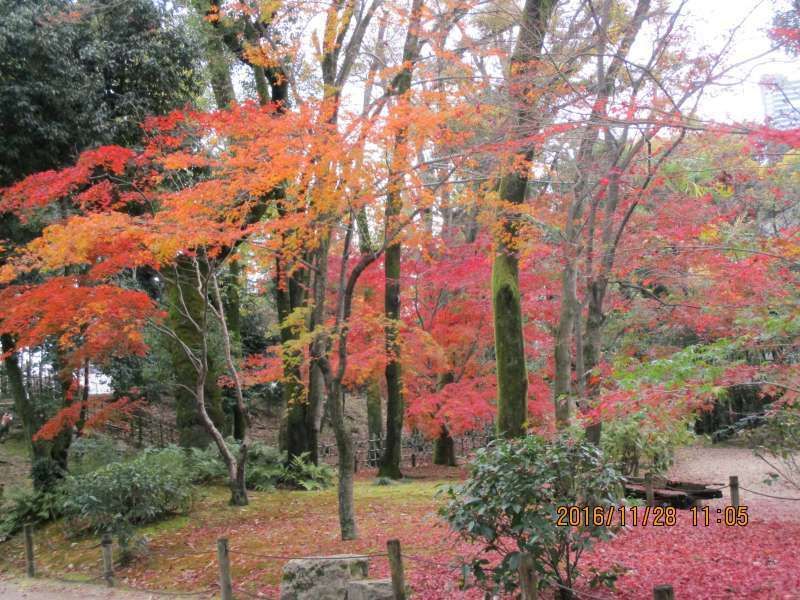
[
  {"x": 90, "y": 452},
  {"x": 509, "y": 505},
  {"x": 640, "y": 440},
  {"x": 28, "y": 506},
  {"x": 121, "y": 495}
]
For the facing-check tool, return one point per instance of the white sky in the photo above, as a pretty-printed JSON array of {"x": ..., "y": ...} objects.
[
  {"x": 711, "y": 23},
  {"x": 714, "y": 19}
]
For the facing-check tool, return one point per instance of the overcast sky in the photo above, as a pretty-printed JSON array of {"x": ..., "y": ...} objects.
[{"x": 714, "y": 19}]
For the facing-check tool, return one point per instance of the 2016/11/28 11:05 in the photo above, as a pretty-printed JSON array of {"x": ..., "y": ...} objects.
[{"x": 658, "y": 516}]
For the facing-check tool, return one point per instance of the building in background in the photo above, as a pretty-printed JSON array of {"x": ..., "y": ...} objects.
[{"x": 781, "y": 98}]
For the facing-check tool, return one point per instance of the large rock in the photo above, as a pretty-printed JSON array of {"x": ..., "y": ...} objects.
[
  {"x": 322, "y": 577},
  {"x": 370, "y": 589}
]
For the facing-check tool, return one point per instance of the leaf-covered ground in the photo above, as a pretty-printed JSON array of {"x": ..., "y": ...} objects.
[{"x": 757, "y": 561}]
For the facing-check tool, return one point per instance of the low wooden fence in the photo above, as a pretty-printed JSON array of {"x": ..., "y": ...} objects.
[
  {"x": 227, "y": 589},
  {"x": 416, "y": 450}
]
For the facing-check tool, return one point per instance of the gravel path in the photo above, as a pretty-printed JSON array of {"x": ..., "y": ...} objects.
[
  {"x": 714, "y": 464},
  {"x": 12, "y": 589}
]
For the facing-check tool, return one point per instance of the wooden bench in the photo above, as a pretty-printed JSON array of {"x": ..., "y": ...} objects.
[{"x": 680, "y": 494}]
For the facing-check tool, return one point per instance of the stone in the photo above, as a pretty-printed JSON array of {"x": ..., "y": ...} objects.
[
  {"x": 370, "y": 589},
  {"x": 322, "y": 577}
]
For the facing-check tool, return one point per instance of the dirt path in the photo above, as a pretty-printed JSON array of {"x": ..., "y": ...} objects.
[
  {"x": 715, "y": 464},
  {"x": 28, "y": 589}
]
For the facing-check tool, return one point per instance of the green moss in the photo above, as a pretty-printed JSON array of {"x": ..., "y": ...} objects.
[{"x": 512, "y": 376}]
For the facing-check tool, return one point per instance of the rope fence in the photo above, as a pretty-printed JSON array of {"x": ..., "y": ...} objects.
[
  {"x": 226, "y": 587},
  {"x": 769, "y": 495}
]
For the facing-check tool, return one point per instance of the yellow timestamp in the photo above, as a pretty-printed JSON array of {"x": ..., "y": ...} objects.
[
  {"x": 598, "y": 516},
  {"x": 655, "y": 516},
  {"x": 730, "y": 516}
]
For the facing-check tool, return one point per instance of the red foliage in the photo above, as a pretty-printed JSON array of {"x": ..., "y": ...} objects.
[
  {"x": 93, "y": 322},
  {"x": 101, "y": 413}
]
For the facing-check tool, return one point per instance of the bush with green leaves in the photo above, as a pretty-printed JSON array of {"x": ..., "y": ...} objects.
[
  {"x": 509, "y": 506},
  {"x": 28, "y": 506},
  {"x": 90, "y": 452},
  {"x": 121, "y": 495},
  {"x": 643, "y": 440}
]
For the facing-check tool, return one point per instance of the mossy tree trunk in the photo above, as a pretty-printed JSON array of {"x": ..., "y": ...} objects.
[
  {"x": 512, "y": 375},
  {"x": 509, "y": 344},
  {"x": 372, "y": 390},
  {"x": 390, "y": 461},
  {"x": 316, "y": 387},
  {"x": 184, "y": 301},
  {"x": 290, "y": 295},
  {"x": 218, "y": 64}
]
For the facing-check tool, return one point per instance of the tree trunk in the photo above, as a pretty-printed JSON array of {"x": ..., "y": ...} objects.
[
  {"x": 22, "y": 404},
  {"x": 374, "y": 412},
  {"x": 233, "y": 318},
  {"x": 238, "y": 482},
  {"x": 591, "y": 348},
  {"x": 444, "y": 449},
  {"x": 390, "y": 461},
  {"x": 316, "y": 388},
  {"x": 512, "y": 376},
  {"x": 48, "y": 458},
  {"x": 289, "y": 295},
  {"x": 219, "y": 68},
  {"x": 185, "y": 301},
  {"x": 562, "y": 388},
  {"x": 344, "y": 444}
]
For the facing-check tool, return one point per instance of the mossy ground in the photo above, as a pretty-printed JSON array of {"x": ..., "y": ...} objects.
[
  {"x": 181, "y": 551},
  {"x": 14, "y": 463}
]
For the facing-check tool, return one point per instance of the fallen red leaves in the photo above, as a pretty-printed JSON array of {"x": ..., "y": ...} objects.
[{"x": 759, "y": 561}]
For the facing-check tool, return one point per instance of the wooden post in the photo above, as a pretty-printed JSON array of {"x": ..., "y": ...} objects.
[
  {"x": 396, "y": 566},
  {"x": 108, "y": 564},
  {"x": 648, "y": 488},
  {"x": 663, "y": 592},
  {"x": 413, "y": 460},
  {"x": 528, "y": 580},
  {"x": 223, "y": 558},
  {"x": 29, "y": 559},
  {"x": 734, "y": 482}
]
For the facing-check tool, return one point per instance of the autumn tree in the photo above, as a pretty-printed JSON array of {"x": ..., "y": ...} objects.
[{"x": 75, "y": 86}]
